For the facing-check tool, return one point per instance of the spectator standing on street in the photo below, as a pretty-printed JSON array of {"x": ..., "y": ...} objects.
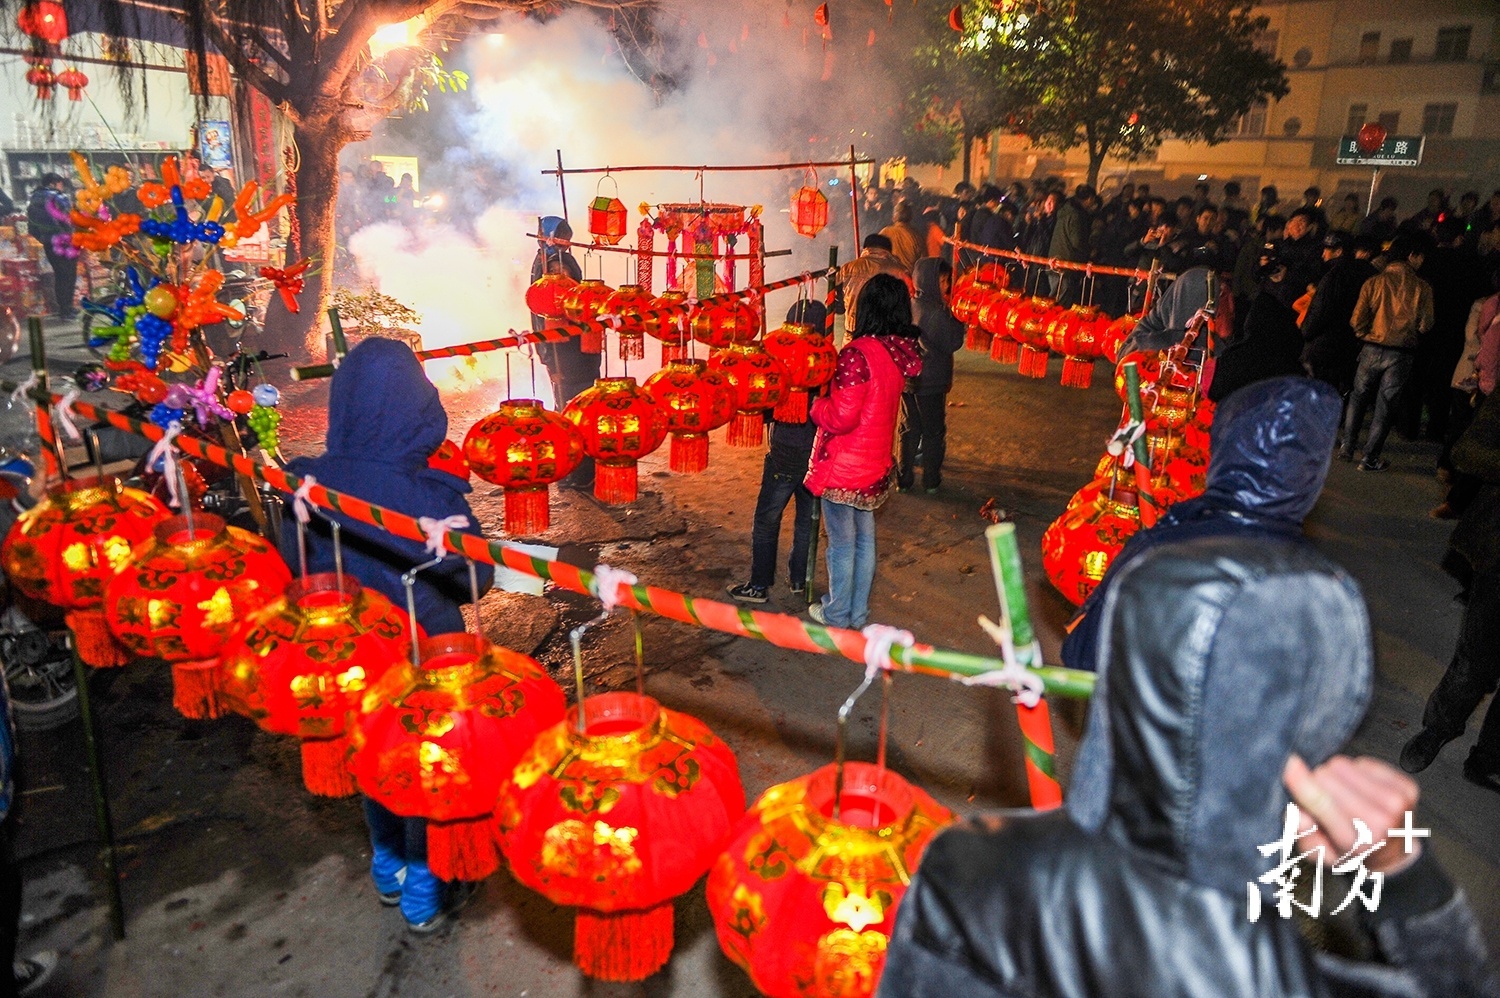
[
  {"x": 1269, "y": 198},
  {"x": 1457, "y": 278},
  {"x": 1348, "y": 217},
  {"x": 875, "y": 258},
  {"x": 1071, "y": 240},
  {"x": 47, "y": 218},
  {"x": 1473, "y": 380},
  {"x": 907, "y": 245},
  {"x": 1332, "y": 349},
  {"x": 568, "y": 367},
  {"x": 926, "y": 400},
  {"x": 28, "y": 974},
  {"x": 1380, "y": 224}
]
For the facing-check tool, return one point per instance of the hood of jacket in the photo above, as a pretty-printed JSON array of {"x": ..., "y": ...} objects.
[
  {"x": 549, "y": 225},
  {"x": 1222, "y": 657},
  {"x": 927, "y": 275},
  {"x": 906, "y": 351},
  {"x": 382, "y": 409}
]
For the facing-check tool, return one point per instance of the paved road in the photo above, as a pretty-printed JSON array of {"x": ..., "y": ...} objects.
[{"x": 237, "y": 882}]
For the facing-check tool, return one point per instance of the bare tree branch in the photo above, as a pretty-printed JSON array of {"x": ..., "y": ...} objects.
[{"x": 240, "y": 60}]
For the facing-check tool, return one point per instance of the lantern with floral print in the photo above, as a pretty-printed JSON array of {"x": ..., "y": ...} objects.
[
  {"x": 185, "y": 593},
  {"x": 809, "y": 358},
  {"x": 302, "y": 663},
  {"x": 1027, "y": 324},
  {"x": 66, "y": 548},
  {"x": 666, "y": 322},
  {"x": 618, "y": 817},
  {"x": 620, "y": 423},
  {"x": 695, "y": 400},
  {"x": 1115, "y": 335},
  {"x": 584, "y": 302},
  {"x": 439, "y": 740},
  {"x": 725, "y": 323},
  {"x": 805, "y": 903},
  {"x": 628, "y": 306},
  {"x": 1074, "y": 333},
  {"x": 1079, "y": 545},
  {"x": 523, "y": 448},
  {"x": 760, "y": 383}
]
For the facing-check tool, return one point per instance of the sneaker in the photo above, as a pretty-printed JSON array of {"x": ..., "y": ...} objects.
[
  {"x": 815, "y": 611},
  {"x": 1373, "y": 464},
  {"x": 748, "y": 593},
  {"x": 33, "y": 971},
  {"x": 1443, "y": 511},
  {"x": 389, "y": 899},
  {"x": 1477, "y": 775},
  {"x": 458, "y": 895},
  {"x": 797, "y": 586},
  {"x": 1346, "y": 455},
  {"x": 1418, "y": 753}
]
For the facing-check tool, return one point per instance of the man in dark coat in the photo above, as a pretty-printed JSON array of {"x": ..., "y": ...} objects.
[
  {"x": 46, "y": 219},
  {"x": 1071, "y": 241},
  {"x": 569, "y": 368},
  {"x": 1332, "y": 348},
  {"x": 926, "y": 398},
  {"x": 1237, "y": 669},
  {"x": 1458, "y": 278}
]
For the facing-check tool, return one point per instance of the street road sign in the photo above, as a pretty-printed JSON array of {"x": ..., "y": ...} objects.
[{"x": 1399, "y": 150}]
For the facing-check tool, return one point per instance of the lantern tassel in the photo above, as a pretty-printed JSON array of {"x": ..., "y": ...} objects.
[
  {"x": 591, "y": 341},
  {"x": 688, "y": 453},
  {"x": 615, "y": 483},
  {"x": 792, "y": 409},
  {"x": 91, "y": 637},
  {"x": 673, "y": 351},
  {"x": 622, "y": 945},
  {"x": 978, "y": 338},
  {"x": 1033, "y": 363},
  {"x": 1077, "y": 372},
  {"x": 527, "y": 511},
  {"x": 1004, "y": 350},
  {"x": 633, "y": 347},
  {"x": 464, "y": 849},
  {"x": 746, "y": 429},
  {"x": 325, "y": 767},
  {"x": 196, "y": 689}
]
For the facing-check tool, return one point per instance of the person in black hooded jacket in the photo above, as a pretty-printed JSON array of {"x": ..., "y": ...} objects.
[
  {"x": 1332, "y": 349},
  {"x": 926, "y": 398},
  {"x": 1237, "y": 668}
]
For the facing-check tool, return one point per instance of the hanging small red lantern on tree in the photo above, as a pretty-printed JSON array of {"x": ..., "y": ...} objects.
[
  {"x": 760, "y": 383},
  {"x": 1079, "y": 545},
  {"x": 185, "y": 593},
  {"x": 628, "y": 305},
  {"x": 439, "y": 741},
  {"x": 725, "y": 323},
  {"x": 806, "y": 903},
  {"x": 618, "y": 819},
  {"x": 809, "y": 360},
  {"x": 665, "y": 322},
  {"x": 303, "y": 662},
  {"x": 40, "y": 75},
  {"x": 544, "y": 296},
  {"x": 66, "y": 548},
  {"x": 73, "y": 81},
  {"x": 523, "y": 448},
  {"x": 809, "y": 209},
  {"x": 608, "y": 218},
  {"x": 620, "y": 424},
  {"x": 44, "y": 20},
  {"x": 584, "y": 302},
  {"x": 696, "y": 400}
]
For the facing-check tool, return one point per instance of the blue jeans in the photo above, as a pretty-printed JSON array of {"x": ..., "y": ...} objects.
[
  {"x": 1381, "y": 374},
  {"x": 399, "y": 863},
  {"x": 780, "y": 482},
  {"x": 851, "y": 564}
]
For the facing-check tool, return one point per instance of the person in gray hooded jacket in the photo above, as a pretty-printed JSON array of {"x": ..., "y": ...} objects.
[{"x": 925, "y": 400}]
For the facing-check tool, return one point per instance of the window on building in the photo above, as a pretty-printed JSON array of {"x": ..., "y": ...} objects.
[
  {"x": 1390, "y": 121},
  {"x": 1437, "y": 119},
  {"x": 1267, "y": 40},
  {"x": 1401, "y": 50},
  {"x": 1358, "y": 115},
  {"x": 1453, "y": 44},
  {"x": 1369, "y": 46},
  {"x": 1253, "y": 122}
]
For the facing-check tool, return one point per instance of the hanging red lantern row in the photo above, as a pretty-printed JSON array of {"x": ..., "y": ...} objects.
[
  {"x": 808, "y": 356},
  {"x": 978, "y": 293},
  {"x": 1115, "y": 335},
  {"x": 439, "y": 741},
  {"x": 1027, "y": 325},
  {"x": 302, "y": 663},
  {"x": 44, "y": 20},
  {"x": 618, "y": 819},
  {"x": 524, "y": 448},
  {"x": 584, "y": 302},
  {"x": 544, "y": 296},
  {"x": 664, "y": 322},
  {"x": 619, "y": 424},
  {"x": 760, "y": 383},
  {"x": 726, "y": 323},
  {"x": 806, "y": 903},
  {"x": 73, "y": 81},
  {"x": 1075, "y": 333},
  {"x": 696, "y": 401},
  {"x": 185, "y": 594},
  {"x": 629, "y": 305},
  {"x": 40, "y": 75},
  {"x": 66, "y": 548}
]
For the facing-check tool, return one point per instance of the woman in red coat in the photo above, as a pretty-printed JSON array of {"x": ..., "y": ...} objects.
[{"x": 853, "y": 465}]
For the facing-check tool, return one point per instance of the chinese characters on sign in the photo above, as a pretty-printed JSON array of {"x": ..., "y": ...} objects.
[{"x": 1398, "y": 150}]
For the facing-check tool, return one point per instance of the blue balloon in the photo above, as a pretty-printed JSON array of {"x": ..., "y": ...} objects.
[{"x": 266, "y": 395}]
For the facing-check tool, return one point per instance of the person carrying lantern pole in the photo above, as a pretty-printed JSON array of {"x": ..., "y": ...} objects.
[
  {"x": 384, "y": 420},
  {"x": 568, "y": 367}
]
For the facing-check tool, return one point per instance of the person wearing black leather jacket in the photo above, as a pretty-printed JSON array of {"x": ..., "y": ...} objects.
[{"x": 1230, "y": 662}]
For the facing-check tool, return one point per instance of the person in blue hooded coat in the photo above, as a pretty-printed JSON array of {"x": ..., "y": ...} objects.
[
  {"x": 384, "y": 420},
  {"x": 1270, "y": 447},
  {"x": 569, "y": 368}
]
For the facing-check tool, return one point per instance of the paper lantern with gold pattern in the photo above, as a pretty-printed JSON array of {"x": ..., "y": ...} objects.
[
  {"x": 1074, "y": 333},
  {"x": 721, "y": 324},
  {"x": 1079, "y": 545},
  {"x": 544, "y": 296},
  {"x": 620, "y": 423},
  {"x": 628, "y": 305},
  {"x": 809, "y": 358},
  {"x": 663, "y": 321},
  {"x": 584, "y": 302},
  {"x": 1115, "y": 335},
  {"x": 760, "y": 383},
  {"x": 696, "y": 400},
  {"x": 524, "y": 448}
]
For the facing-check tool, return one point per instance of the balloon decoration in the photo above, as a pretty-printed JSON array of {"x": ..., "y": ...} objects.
[
  {"x": 289, "y": 282},
  {"x": 695, "y": 400},
  {"x": 439, "y": 741},
  {"x": 617, "y": 817},
  {"x": 808, "y": 357},
  {"x": 620, "y": 424},
  {"x": 760, "y": 382},
  {"x": 523, "y": 448},
  {"x": 806, "y": 903}
]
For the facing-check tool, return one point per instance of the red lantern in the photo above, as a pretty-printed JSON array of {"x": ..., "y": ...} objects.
[
  {"x": 607, "y": 220},
  {"x": 618, "y": 819},
  {"x": 40, "y": 75},
  {"x": 185, "y": 594},
  {"x": 620, "y": 424},
  {"x": 584, "y": 302},
  {"x": 44, "y": 20},
  {"x": 725, "y": 323},
  {"x": 809, "y": 211},
  {"x": 1027, "y": 324},
  {"x": 809, "y": 359},
  {"x": 760, "y": 383},
  {"x": 524, "y": 448},
  {"x": 804, "y": 903},
  {"x": 1370, "y": 138},
  {"x": 1079, "y": 545},
  {"x": 544, "y": 295},
  {"x": 66, "y": 548},
  {"x": 962, "y": 301},
  {"x": 695, "y": 400},
  {"x": 439, "y": 742},
  {"x": 994, "y": 318},
  {"x": 303, "y": 662},
  {"x": 73, "y": 81},
  {"x": 629, "y": 305},
  {"x": 1074, "y": 333},
  {"x": 665, "y": 322},
  {"x": 1115, "y": 336},
  {"x": 448, "y": 457}
]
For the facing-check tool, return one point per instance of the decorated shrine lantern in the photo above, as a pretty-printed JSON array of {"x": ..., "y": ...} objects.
[
  {"x": 666, "y": 322},
  {"x": 760, "y": 382},
  {"x": 524, "y": 448},
  {"x": 620, "y": 424},
  {"x": 66, "y": 549},
  {"x": 185, "y": 593},
  {"x": 584, "y": 302},
  {"x": 628, "y": 306},
  {"x": 806, "y": 903},
  {"x": 608, "y": 219},
  {"x": 302, "y": 663},
  {"x": 695, "y": 400},
  {"x": 724, "y": 323},
  {"x": 439, "y": 741},
  {"x": 617, "y": 819},
  {"x": 809, "y": 358},
  {"x": 809, "y": 211},
  {"x": 1079, "y": 545}
]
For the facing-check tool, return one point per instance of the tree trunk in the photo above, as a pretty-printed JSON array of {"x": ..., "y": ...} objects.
[
  {"x": 319, "y": 141},
  {"x": 1096, "y": 161},
  {"x": 968, "y": 153}
]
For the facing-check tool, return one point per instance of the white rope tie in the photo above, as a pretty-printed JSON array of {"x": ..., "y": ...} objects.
[
  {"x": 879, "y": 640},
  {"x": 1026, "y": 685},
  {"x": 66, "y": 415},
  {"x": 608, "y": 583},
  {"x": 1122, "y": 444},
  {"x": 165, "y": 451},
  {"x": 24, "y": 387},
  {"x": 437, "y": 531},
  {"x": 302, "y": 499}
]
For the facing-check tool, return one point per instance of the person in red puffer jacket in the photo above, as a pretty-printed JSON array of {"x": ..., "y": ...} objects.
[{"x": 853, "y": 466}]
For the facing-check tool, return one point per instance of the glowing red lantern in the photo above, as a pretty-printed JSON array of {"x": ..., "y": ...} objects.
[
  {"x": 1370, "y": 137},
  {"x": 620, "y": 424},
  {"x": 1074, "y": 333},
  {"x": 804, "y": 903},
  {"x": 994, "y": 317},
  {"x": 40, "y": 75},
  {"x": 186, "y": 592},
  {"x": 808, "y": 357},
  {"x": 629, "y": 305},
  {"x": 1079, "y": 545},
  {"x": 439, "y": 742},
  {"x": 608, "y": 220},
  {"x": 760, "y": 383},
  {"x": 695, "y": 400},
  {"x": 618, "y": 819},
  {"x": 303, "y": 662},
  {"x": 809, "y": 211},
  {"x": 962, "y": 301},
  {"x": 725, "y": 323},
  {"x": 73, "y": 81},
  {"x": 44, "y": 20},
  {"x": 66, "y": 548},
  {"x": 584, "y": 302},
  {"x": 448, "y": 457},
  {"x": 523, "y": 448},
  {"x": 1027, "y": 325},
  {"x": 544, "y": 297},
  {"x": 1115, "y": 336},
  {"x": 666, "y": 322}
]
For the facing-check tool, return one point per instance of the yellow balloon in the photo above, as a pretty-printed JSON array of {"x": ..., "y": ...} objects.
[{"x": 160, "y": 302}]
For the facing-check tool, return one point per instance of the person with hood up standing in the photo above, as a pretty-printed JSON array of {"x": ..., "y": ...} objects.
[
  {"x": 926, "y": 402},
  {"x": 853, "y": 464},
  {"x": 569, "y": 368},
  {"x": 47, "y": 213},
  {"x": 1206, "y": 785},
  {"x": 384, "y": 420},
  {"x": 1270, "y": 446}
]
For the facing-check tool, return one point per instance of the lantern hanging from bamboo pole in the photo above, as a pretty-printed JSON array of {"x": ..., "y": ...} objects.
[
  {"x": 725, "y": 323},
  {"x": 608, "y": 219},
  {"x": 665, "y": 322},
  {"x": 809, "y": 209},
  {"x": 544, "y": 296},
  {"x": 524, "y": 448},
  {"x": 809, "y": 358},
  {"x": 584, "y": 302},
  {"x": 760, "y": 382},
  {"x": 628, "y": 305},
  {"x": 620, "y": 424},
  {"x": 696, "y": 400}
]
